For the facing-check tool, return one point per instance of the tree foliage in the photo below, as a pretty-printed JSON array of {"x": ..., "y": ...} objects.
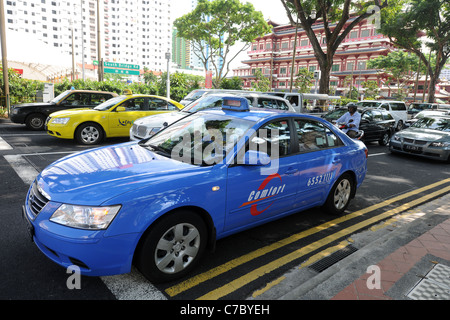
[
  {"x": 406, "y": 25},
  {"x": 213, "y": 27},
  {"x": 304, "y": 81},
  {"x": 339, "y": 18}
]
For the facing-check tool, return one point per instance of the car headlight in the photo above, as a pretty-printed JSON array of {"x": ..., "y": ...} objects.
[
  {"x": 60, "y": 120},
  {"x": 440, "y": 144},
  {"x": 84, "y": 217}
]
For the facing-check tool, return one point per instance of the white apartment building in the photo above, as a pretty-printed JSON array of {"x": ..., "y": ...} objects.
[{"x": 131, "y": 31}]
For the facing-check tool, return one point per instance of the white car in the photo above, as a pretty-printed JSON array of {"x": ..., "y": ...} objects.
[
  {"x": 146, "y": 127},
  {"x": 427, "y": 113},
  {"x": 397, "y": 109}
]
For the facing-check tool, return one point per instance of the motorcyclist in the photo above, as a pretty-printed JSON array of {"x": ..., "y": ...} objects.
[{"x": 351, "y": 119}]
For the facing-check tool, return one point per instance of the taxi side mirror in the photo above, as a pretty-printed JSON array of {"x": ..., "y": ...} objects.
[
  {"x": 256, "y": 158},
  {"x": 120, "y": 109}
]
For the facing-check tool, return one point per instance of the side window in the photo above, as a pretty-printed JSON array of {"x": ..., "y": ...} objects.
[
  {"x": 77, "y": 99},
  {"x": 282, "y": 105},
  {"x": 385, "y": 106},
  {"x": 97, "y": 98},
  {"x": 155, "y": 104},
  {"x": 136, "y": 104},
  {"x": 267, "y": 103},
  {"x": 275, "y": 138},
  {"x": 313, "y": 136},
  {"x": 398, "y": 107},
  {"x": 387, "y": 115}
]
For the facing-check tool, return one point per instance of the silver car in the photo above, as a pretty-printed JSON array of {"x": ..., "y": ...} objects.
[
  {"x": 146, "y": 127},
  {"x": 428, "y": 137}
]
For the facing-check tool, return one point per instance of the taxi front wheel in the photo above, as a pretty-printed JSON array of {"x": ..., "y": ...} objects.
[
  {"x": 89, "y": 133},
  {"x": 172, "y": 247},
  {"x": 340, "y": 195}
]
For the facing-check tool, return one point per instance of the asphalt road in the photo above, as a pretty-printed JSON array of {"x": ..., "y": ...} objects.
[{"x": 241, "y": 265}]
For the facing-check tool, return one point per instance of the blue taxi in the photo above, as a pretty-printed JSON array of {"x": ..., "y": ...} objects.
[{"x": 159, "y": 203}]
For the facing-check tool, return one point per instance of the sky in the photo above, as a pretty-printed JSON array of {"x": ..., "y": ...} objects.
[{"x": 271, "y": 9}]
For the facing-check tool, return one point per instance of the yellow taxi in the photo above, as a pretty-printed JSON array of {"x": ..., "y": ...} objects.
[{"x": 112, "y": 118}]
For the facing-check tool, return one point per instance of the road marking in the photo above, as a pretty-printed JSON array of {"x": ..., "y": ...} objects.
[
  {"x": 275, "y": 264},
  {"x": 377, "y": 154},
  {"x": 4, "y": 145},
  {"x": 198, "y": 279},
  {"x": 22, "y": 167}
]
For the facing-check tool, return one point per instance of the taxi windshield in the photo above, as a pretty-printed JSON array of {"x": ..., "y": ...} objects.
[
  {"x": 200, "y": 139},
  {"x": 109, "y": 103},
  {"x": 434, "y": 123}
]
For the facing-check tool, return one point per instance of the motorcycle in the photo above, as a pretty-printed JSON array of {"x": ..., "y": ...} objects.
[{"x": 342, "y": 126}]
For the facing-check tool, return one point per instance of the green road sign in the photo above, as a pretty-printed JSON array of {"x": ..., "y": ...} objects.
[
  {"x": 120, "y": 65},
  {"x": 121, "y": 71}
]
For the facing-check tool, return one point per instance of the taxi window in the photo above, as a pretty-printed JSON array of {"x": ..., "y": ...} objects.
[
  {"x": 155, "y": 104},
  {"x": 136, "y": 104},
  {"x": 97, "y": 98},
  {"x": 275, "y": 137},
  {"x": 77, "y": 99},
  {"x": 314, "y": 136}
]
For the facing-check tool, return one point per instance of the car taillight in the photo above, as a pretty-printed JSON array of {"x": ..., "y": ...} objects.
[{"x": 366, "y": 151}]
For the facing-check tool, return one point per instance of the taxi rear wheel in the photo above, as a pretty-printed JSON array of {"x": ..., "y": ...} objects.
[
  {"x": 89, "y": 133},
  {"x": 172, "y": 247},
  {"x": 340, "y": 195}
]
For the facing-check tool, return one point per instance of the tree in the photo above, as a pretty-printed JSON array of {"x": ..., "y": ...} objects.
[
  {"x": 399, "y": 66},
  {"x": 218, "y": 25},
  {"x": 335, "y": 15},
  {"x": 405, "y": 27},
  {"x": 370, "y": 89},
  {"x": 234, "y": 83},
  {"x": 261, "y": 83},
  {"x": 304, "y": 81}
]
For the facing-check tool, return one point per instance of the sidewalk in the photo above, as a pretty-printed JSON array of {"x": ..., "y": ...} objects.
[{"x": 407, "y": 258}]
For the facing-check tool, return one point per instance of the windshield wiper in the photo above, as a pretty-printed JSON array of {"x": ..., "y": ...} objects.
[{"x": 157, "y": 149}]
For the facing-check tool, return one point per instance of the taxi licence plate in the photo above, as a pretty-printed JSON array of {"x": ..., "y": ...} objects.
[{"x": 28, "y": 224}]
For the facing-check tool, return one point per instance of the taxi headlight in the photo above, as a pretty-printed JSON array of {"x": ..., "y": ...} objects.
[
  {"x": 84, "y": 217},
  {"x": 60, "y": 120}
]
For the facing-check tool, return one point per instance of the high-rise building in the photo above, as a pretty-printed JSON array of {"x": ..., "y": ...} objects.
[{"x": 131, "y": 31}]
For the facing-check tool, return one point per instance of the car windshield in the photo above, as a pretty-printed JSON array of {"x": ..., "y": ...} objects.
[
  {"x": 434, "y": 123},
  {"x": 335, "y": 114},
  {"x": 60, "y": 96},
  {"x": 200, "y": 139},
  {"x": 207, "y": 102},
  {"x": 109, "y": 103},
  {"x": 194, "y": 95},
  {"x": 419, "y": 106}
]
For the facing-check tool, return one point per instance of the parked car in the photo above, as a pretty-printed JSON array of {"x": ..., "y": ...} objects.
[
  {"x": 148, "y": 126},
  {"x": 112, "y": 118},
  {"x": 377, "y": 124},
  {"x": 198, "y": 93},
  {"x": 426, "y": 113},
  {"x": 428, "y": 137},
  {"x": 396, "y": 108},
  {"x": 145, "y": 203},
  {"x": 33, "y": 115},
  {"x": 416, "y": 107}
]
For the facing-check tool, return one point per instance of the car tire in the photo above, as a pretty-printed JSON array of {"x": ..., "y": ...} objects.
[
  {"x": 340, "y": 195},
  {"x": 384, "y": 141},
  {"x": 172, "y": 247},
  {"x": 35, "y": 121},
  {"x": 89, "y": 134}
]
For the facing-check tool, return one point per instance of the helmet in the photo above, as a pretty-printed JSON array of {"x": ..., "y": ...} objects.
[{"x": 351, "y": 105}]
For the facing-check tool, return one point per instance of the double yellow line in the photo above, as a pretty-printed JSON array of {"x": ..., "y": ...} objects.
[{"x": 275, "y": 264}]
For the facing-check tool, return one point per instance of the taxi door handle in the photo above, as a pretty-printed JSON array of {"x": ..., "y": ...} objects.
[{"x": 291, "y": 171}]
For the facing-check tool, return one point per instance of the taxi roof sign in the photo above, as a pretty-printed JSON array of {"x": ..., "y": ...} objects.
[{"x": 235, "y": 104}]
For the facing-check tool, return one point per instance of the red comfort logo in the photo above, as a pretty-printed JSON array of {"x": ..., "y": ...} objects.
[{"x": 263, "y": 193}]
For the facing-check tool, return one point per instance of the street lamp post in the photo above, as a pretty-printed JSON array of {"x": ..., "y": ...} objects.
[
  {"x": 4, "y": 55},
  {"x": 168, "y": 74}
]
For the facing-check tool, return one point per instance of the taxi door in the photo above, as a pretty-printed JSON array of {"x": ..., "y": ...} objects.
[
  {"x": 256, "y": 193},
  {"x": 120, "y": 122},
  {"x": 318, "y": 161}
]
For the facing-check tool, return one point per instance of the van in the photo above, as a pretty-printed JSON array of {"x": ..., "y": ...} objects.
[{"x": 397, "y": 109}]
